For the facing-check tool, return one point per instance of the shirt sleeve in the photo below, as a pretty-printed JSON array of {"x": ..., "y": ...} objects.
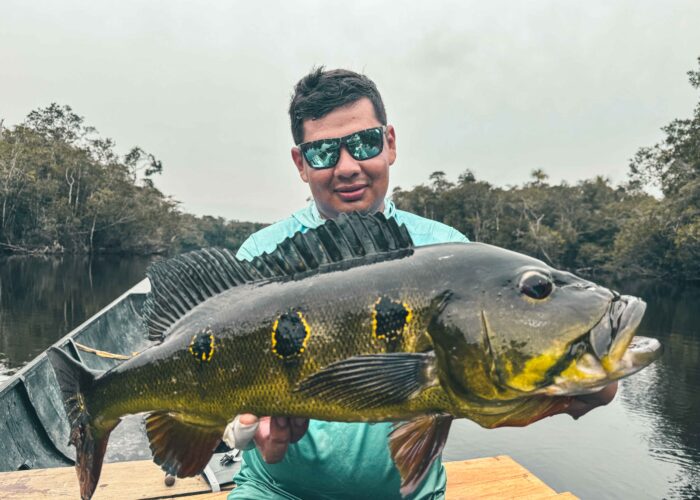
[
  {"x": 427, "y": 231},
  {"x": 249, "y": 249},
  {"x": 267, "y": 239},
  {"x": 455, "y": 236}
]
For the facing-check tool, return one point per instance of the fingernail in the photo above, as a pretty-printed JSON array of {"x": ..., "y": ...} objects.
[
  {"x": 247, "y": 419},
  {"x": 281, "y": 422}
]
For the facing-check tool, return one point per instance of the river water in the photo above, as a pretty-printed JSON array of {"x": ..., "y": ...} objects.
[{"x": 645, "y": 444}]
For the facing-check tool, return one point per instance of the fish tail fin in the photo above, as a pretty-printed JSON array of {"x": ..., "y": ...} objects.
[{"x": 90, "y": 441}]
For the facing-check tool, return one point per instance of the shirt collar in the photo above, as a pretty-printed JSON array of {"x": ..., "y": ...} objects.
[{"x": 309, "y": 216}]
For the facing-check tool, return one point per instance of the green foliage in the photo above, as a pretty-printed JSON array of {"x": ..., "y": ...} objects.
[
  {"x": 567, "y": 226},
  {"x": 674, "y": 162},
  {"x": 64, "y": 188},
  {"x": 590, "y": 227}
]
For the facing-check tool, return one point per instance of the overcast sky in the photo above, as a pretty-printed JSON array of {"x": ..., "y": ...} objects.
[{"x": 499, "y": 87}]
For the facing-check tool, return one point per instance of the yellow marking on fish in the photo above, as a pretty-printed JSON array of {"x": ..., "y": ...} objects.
[
  {"x": 202, "y": 346},
  {"x": 608, "y": 364},
  {"x": 389, "y": 324},
  {"x": 534, "y": 371},
  {"x": 574, "y": 373},
  {"x": 290, "y": 335}
]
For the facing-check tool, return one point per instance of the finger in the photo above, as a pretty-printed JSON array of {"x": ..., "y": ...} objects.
[
  {"x": 581, "y": 405},
  {"x": 602, "y": 397},
  {"x": 298, "y": 428},
  {"x": 275, "y": 446},
  {"x": 239, "y": 433},
  {"x": 247, "y": 419},
  {"x": 263, "y": 432},
  {"x": 280, "y": 430}
]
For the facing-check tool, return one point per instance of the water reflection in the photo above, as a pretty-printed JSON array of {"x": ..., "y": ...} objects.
[
  {"x": 669, "y": 395},
  {"x": 43, "y": 298}
]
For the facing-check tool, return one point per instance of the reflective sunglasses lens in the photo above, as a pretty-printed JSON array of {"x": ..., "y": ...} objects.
[
  {"x": 322, "y": 154},
  {"x": 366, "y": 144}
]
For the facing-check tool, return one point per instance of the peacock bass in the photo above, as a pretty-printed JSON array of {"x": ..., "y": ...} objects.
[{"x": 350, "y": 322}]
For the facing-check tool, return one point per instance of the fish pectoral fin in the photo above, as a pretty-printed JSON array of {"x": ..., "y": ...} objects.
[
  {"x": 182, "y": 448},
  {"x": 415, "y": 445},
  {"x": 372, "y": 380}
]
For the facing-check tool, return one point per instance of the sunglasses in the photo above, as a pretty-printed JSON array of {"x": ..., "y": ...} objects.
[{"x": 361, "y": 145}]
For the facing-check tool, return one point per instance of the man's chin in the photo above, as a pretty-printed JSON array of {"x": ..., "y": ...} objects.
[
  {"x": 360, "y": 206},
  {"x": 364, "y": 206}
]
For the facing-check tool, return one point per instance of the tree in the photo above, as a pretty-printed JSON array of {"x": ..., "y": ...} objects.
[
  {"x": 439, "y": 181},
  {"x": 65, "y": 188},
  {"x": 539, "y": 177},
  {"x": 672, "y": 165},
  {"x": 674, "y": 162}
]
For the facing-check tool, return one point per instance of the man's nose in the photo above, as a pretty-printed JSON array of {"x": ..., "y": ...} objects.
[{"x": 347, "y": 166}]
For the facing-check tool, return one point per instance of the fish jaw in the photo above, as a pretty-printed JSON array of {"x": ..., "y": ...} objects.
[{"x": 616, "y": 352}]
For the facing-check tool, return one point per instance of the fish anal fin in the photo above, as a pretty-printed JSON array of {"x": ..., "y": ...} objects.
[
  {"x": 416, "y": 444},
  {"x": 180, "y": 447},
  {"x": 372, "y": 380}
]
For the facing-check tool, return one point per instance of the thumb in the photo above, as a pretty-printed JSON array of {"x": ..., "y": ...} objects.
[{"x": 240, "y": 431}]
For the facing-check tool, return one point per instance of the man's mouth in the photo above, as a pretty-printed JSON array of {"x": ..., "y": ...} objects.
[{"x": 351, "y": 192}]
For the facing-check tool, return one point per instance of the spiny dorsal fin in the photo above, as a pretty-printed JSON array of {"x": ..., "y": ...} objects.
[{"x": 181, "y": 283}]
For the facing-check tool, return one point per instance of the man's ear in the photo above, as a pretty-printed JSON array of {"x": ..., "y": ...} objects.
[
  {"x": 391, "y": 143},
  {"x": 298, "y": 160}
]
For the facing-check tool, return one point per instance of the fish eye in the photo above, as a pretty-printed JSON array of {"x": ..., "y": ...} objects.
[{"x": 536, "y": 285}]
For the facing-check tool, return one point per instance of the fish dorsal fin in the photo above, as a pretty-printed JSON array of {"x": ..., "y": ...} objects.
[{"x": 181, "y": 283}]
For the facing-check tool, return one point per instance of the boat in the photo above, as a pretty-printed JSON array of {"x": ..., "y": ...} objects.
[{"x": 34, "y": 432}]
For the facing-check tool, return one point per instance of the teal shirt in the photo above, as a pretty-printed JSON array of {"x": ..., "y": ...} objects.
[{"x": 336, "y": 460}]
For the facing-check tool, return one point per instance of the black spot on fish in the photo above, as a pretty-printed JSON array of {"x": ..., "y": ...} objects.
[
  {"x": 390, "y": 318},
  {"x": 203, "y": 346},
  {"x": 290, "y": 333}
]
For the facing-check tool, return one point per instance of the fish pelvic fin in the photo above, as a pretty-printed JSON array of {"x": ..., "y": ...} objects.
[
  {"x": 415, "y": 445},
  {"x": 182, "y": 448},
  {"x": 90, "y": 441},
  {"x": 181, "y": 283}
]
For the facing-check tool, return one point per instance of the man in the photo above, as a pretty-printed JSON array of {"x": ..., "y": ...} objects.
[{"x": 331, "y": 459}]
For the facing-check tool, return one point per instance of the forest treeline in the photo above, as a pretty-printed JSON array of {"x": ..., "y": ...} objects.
[{"x": 63, "y": 188}]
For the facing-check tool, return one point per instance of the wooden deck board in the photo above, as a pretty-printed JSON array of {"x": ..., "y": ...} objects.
[
  {"x": 125, "y": 480},
  {"x": 498, "y": 477},
  {"x": 493, "y": 477}
]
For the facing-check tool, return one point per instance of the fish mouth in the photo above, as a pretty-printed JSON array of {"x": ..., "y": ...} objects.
[{"x": 608, "y": 352}]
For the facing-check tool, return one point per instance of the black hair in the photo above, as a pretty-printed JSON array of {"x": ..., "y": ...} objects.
[{"x": 321, "y": 92}]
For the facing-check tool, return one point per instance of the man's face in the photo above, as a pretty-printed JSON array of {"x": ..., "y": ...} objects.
[{"x": 351, "y": 184}]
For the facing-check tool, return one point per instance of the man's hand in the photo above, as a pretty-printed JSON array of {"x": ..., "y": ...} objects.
[
  {"x": 272, "y": 435},
  {"x": 583, "y": 404}
]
